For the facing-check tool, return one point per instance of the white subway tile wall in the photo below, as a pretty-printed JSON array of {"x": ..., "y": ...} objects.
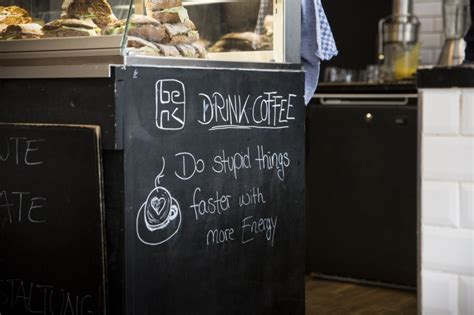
[
  {"x": 440, "y": 293},
  {"x": 431, "y": 41},
  {"x": 448, "y": 250},
  {"x": 441, "y": 112},
  {"x": 442, "y": 204},
  {"x": 468, "y": 113},
  {"x": 431, "y": 31},
  {"x": 466, "y": 294},
  {"x": 438, "y": 24},
  {"x": 447, "y": 201},
  {"x": 448, "y": 158},
  {"x": 426, "y": 54},
  {"x": 467, "y": 207},
  {"x": 427, "y": 24}
]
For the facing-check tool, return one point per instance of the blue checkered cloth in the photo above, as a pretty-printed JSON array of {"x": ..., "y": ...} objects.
[
  {"x": 317, "y": 43},
  {"x": 326, "y": 43},
  {"x": 264, "y": 10}
]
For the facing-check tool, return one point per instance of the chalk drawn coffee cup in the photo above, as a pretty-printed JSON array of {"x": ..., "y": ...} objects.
[
  {"x": 160, "y": 209},
  {"x": 159, "y": 218}
]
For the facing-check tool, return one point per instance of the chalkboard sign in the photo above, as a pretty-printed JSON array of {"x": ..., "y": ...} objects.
[
  {"x": 214, "y": 189},
  {"x": 51, "y": 227}
]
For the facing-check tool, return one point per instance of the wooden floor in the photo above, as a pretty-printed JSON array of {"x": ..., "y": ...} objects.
[{"x": 330, "y": 297}]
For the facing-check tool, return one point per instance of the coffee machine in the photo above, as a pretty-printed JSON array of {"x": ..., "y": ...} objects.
[
  {"x": 456, "y": 20},
  {"x": 399, "y": 48}
]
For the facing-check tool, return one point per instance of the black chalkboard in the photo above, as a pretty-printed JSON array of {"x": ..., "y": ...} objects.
[
  {"x": 51, "y": 227},
  {"x": 214, "y": 191}
]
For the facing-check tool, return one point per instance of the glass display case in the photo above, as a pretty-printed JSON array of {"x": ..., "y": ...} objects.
[{"x": 90, "y": 32}]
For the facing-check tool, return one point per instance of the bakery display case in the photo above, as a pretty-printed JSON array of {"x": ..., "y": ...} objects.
[
  {"x": 80, "y": 38},
  {"x": 155, "y": 80}
]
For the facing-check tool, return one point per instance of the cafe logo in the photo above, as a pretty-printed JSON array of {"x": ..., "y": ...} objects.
[{"x": 170, "y": 104}]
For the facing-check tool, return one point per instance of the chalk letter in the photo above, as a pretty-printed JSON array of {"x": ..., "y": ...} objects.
[
  {"x": 244, "y": 225},
  {"x": 6, "y": 205},
  {"x": 28, "y": 149},
  {"x": 6, "y": 154},
  {"x": 32, "y": 207}
]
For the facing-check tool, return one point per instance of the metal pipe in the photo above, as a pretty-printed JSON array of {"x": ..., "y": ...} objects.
[{"x": 402, "y": 7}]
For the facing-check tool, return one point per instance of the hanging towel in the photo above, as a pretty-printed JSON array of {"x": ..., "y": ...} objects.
[
  {"x": 317, "y": 43},
  {"x": 264, "y": 10}
]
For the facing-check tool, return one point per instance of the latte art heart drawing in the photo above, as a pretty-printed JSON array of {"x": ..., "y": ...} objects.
[
  {"x": 158, "y": 209},
  {"x": 158, "y": 204}
]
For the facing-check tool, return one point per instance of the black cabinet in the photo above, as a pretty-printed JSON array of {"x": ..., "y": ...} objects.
[{"x": 362, "y": 188}]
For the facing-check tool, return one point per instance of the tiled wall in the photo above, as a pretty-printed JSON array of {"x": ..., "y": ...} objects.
[
  {"x": 431, "y": 33},
  {"x": 447, "y": 201}
]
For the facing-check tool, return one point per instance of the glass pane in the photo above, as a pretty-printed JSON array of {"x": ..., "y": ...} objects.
[
  {"x": 35, "y": 19},
  {"x": 232, "y": 30}
]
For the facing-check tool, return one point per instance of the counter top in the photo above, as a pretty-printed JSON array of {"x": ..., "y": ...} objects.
[
  {"x": 446, "y": 77},
  {"x": 367, "y": 88}
]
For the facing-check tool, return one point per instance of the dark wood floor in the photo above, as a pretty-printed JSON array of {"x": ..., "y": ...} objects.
[{"x": 331, "y": 297}]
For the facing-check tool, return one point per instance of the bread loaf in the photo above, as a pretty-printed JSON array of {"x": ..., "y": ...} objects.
[
  {"x": 99, "y": 11},
  {"x": 155, "y": 5}
]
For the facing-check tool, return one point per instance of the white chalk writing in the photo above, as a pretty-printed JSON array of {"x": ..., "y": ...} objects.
[
  {"x": 21, "y": 296},
  {"x": 190, "y": 166},
  {"x": 267, "y": 111},
  {"x": 253, "y": 227},
  {"x": 273, "y": 161},
  {"x": 232, "y": 163},
  {"x": 21, "y": 207},
  {"x": 170, "y": 105},
  {"x": 253, "y": 197},
  {"x": 212, "y": 205},
  {"x": 23, "y": 151},
  {"x": 220, "y": 110},
  {"x": 219, "y": 236}
]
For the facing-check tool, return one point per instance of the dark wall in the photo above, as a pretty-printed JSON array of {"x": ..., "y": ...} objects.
[{"x": 355, "y": 25}]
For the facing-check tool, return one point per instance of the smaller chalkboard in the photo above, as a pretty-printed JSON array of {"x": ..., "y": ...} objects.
[{"x": 51, "y": 220}]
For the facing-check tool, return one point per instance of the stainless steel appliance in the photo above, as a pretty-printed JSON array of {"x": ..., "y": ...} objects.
[
  {"x": 398, "y": 42},
  {"x": 456, "y": 19}
]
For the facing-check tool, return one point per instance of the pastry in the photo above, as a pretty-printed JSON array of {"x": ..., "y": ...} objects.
[
  {"x": 140, "y": 26},
  {"x": 70, "y": 28},
  {"x": 14, "y": 15},
  {"x": 20, "y": 31},
  {"x": 171, "y": 15},
  {"x": 181, "y": 33},
  {"x": 99, "y": 11}
]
